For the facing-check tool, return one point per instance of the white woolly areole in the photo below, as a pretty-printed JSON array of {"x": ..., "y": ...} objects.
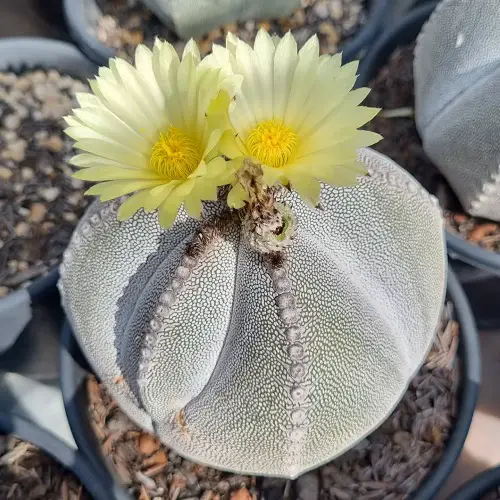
[
  {"x": 457, "y": 76},
  {"x": 254, "y": 368}
]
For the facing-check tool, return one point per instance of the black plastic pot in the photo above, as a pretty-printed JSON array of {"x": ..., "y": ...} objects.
[
  {"x": 472, "y": 264},
  {"x": 82, "y": 16},
  {"x": 478, "y": 486},
  {"x": 18, "y": 54},
  {"x": 70, "y": 459},
  {"x": 74, "y": 371}
]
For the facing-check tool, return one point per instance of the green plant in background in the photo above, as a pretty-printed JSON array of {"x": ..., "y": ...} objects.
[
  {"x": 457, "y": 110},
  {"x": 276, "y": 330},
  {"x": 193, "y": 18}
]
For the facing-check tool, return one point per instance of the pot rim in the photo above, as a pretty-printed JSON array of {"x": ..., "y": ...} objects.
[
  {"x": 69, "y": 458},
  {"x": 74, "y": 371},
  {"x": 18, "y": 54},
  {"x": 479, "y": 485},
  {"x": 404, "y": 32},
  {"x": 77, "y": 13}
]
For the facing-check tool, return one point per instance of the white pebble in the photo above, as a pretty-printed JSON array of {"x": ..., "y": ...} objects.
[
  {"x": 9, "y": 135},
  {"x": 53, "y": 75},
  {"x": 49, "y": 194},
  {"x": 27, "y": 173},
  {"x": 77, "y": 183},
  {"x": 69, "y": 216},
  {"x": 321, "y": 10},
  {"x": 74, "y": 198},
  {"x": 17, "y": 150},
  {"x": 5, "y": 173},
  {"x": 41, "y": 135},
  {"x": 22, "y": 229},
  {"x": 12, "y": 122}
]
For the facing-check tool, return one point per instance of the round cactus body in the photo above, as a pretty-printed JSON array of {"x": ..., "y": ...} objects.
[
  {"x": 261, "y": 365},
  {"x": 457, "y": 60}
]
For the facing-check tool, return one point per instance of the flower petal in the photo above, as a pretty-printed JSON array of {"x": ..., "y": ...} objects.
[
  {"x": 114, "y": 189},
  {"x": 167, "y": 213},
  {"x": 229, "y": 146},
  {"x": 306, "y": 186},
  {"x": 158, "y": 195},
  {"x": 237, "y": 196},
  {"x": 132, "y": 204},
  {"x": 302, "y": 82},
  {"x": 113, "y": 173},
  {"x": 271, "y": 175},
  {"x": 285, "y": 62},
  {"x": 192, "y": 205},
  {"x": 338, "y": 175},
  {"x": 264, "y": 51},
  {"x": 112, "y": 150}
]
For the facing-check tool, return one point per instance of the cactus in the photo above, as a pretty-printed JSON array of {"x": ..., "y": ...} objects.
[
  {"x": 457, "y": 102},
  {"x": 191, "y": 18},
  {"x": 262, "y": 363}
]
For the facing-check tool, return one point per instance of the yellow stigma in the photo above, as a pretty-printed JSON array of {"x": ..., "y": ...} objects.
[
  {"x": 272, "y": 142},
  {"x": 175, "y": 155}
]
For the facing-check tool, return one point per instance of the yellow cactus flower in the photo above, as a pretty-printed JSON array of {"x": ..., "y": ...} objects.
[
  {"x": 153, "y": 130},
  {"x": 295, "y": 114}
]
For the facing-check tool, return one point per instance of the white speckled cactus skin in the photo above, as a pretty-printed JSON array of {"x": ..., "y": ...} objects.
[
  {"x": 256, "y": 368},
  {"x": 457, "y": 77}
]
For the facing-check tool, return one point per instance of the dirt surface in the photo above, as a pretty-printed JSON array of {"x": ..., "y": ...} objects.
[
  {"x": 391, "y": 463},
  {"x": 392, "y": 90},
  {"x": 26, "y": 473},
  {"x": 125, "y": 24},
  {"x": 492, "y": 495},
  {"x": 40, "y": 203},
  {"x": 149, "y": 469}
]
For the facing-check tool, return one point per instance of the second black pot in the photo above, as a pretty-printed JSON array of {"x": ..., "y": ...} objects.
[
  {"x": 472, "y": 264},
  {"x": 70, "y": 459},
  {"x": 478, "y": 486},
  {"x": 74, "y": 371}
]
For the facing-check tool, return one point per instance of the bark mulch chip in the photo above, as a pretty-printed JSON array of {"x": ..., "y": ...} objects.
[{"x": 26, "y": 473}]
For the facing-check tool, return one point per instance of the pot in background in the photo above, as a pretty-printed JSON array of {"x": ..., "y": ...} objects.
[
  {"x": 82, "y": 17},
  {"x": 472, "y": 264},
  {"x": 67, "y": 457},
  {"x": 18, "y": 54},
  {"x": 478, "y": 486}
]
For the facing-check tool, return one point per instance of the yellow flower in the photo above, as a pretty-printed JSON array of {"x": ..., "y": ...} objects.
[
  {"x": 153, "y": 130},
  {"x": 295, "y": 113}
]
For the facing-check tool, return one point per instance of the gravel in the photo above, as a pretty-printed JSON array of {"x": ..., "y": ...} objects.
[
  {"x": 39, "y": 202},
  {"x": 492, "y": 495},
  {"x": 149, "y": 469},
  {"x": 392, "y": 90},
  {"x": 125, "y": 24},
  {"x": 389, "y": 464},
  {"x": 26, "y": 473}
]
